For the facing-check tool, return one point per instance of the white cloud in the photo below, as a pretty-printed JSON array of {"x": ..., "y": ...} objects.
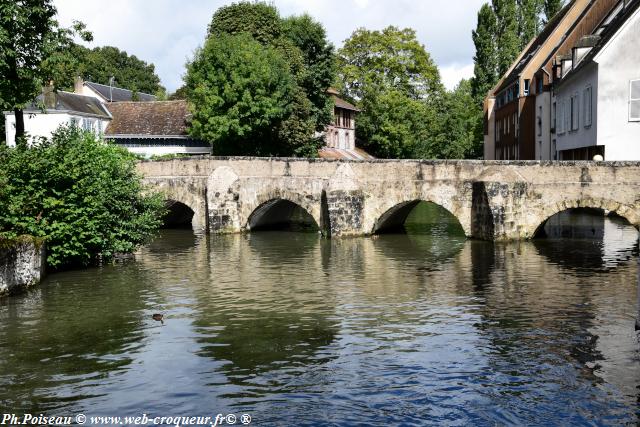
[
  {"x": 166, "y": 32},
  {"x": 453, "y": 73}
]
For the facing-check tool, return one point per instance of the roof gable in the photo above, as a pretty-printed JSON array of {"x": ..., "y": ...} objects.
[{"x": 117, "y": 94}]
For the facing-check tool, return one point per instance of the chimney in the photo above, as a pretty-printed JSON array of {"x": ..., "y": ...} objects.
[
  {"x": 78, "y": 85},
  {"x": 49, "y": 96}
]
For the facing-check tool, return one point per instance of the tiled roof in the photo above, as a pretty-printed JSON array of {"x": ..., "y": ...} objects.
[
  {"x": 160, "y": 118},
  {"x": 116, "y": 94},
  {"x": 341, "y": 103},
  {"x": 73, "y": 103}
]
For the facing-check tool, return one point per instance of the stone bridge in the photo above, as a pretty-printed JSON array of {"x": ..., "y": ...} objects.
[{"x": 492, "y": 200}]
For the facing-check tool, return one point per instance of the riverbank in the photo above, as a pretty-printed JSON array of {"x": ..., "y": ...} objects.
[{"x": 22, "y": 263}]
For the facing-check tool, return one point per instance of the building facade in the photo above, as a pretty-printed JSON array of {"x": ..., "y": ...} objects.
[
  {"x": 521, "y": 110},
  {"x": 598, "y": 95}
]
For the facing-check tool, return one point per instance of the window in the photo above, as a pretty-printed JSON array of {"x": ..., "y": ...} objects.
[
  {"x": 100, "y": 127},
  {"x": 527, "y": 82},
  {"x": 588, "y": 114},
  {"x": 634, "y": 101},
  {"x": 87, "y": 124},
  {"x": 574, "y": 112},
  {"x": 73, "y": 122}
]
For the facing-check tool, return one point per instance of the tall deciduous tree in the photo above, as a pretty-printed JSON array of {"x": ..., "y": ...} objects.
[
  {"x": 395, "y": 83},
  {"x": 507, "y": 36},
  {"x": 29, "y": 38},
  {"x": 310, "y": 38},
  {"x": 240, "y": 90},
  {"x": 486, "y": 57},
  {"x": 258, "y": 19},
  {"x": 101, "y": 63},
  {"x": 300, "y": 44},
  {"x": 529, "y": 20},
  {"x": 389, "y": 59}
]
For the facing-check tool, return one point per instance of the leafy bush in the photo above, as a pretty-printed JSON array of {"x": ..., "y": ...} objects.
[{"x": 81, "y": 194}]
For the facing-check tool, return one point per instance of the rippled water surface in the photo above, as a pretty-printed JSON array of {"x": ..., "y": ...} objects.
[{"x": 294, "y": 329}]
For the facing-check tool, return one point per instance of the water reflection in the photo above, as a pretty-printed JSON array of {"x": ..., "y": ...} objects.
[
  {"x": 296, "y": 329},
  {"x": 585, "y": 240}
]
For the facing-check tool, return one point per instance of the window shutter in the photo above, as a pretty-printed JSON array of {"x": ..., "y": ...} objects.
[
  {"x": 588, "y": 105},
  {"x": 634, "y": 101}
]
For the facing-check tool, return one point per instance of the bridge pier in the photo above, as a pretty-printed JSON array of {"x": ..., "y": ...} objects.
[{"x": 492, "y": 200}]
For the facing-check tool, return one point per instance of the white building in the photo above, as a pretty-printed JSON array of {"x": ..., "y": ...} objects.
[
  {"x": 598, "y": 97},
  {"x": 53, "y": 109}
]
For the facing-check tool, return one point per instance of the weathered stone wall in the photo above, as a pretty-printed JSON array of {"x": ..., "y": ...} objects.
[
  {"x": 492, "y": 200},
  {"x": 22, "y": 263}
]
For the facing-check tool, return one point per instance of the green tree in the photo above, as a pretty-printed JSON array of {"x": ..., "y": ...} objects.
[
  {"x": 240, "y": 91},
  {"x": 507, "y": 36},
  {"x": 258, "y": 19},
  {"x": 31, "y": 43},
  {"x": 551, "y": 8},
  {"x": 300, "y": 105},
  {"x": 389, "y": 59},
  {"x": 392, "y": 78},
  {"x": 319, "y": 73},
  {"x": 101, "y": 63},
  {"x": 459, "y": 127},
  {"x": 485, "y": 59},
  {"x": 529, "y": 20},
  {"x": 394, "y": 125},
  {"x": 82, "y": 195}
]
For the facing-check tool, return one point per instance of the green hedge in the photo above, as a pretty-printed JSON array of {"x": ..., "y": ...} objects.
[{"x": 79, "y": 193}]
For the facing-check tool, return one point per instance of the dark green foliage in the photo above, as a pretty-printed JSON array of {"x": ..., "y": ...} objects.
[
  {"x": 394, "y": 125},
  {"x": 98, "y": 65},
  {"x": 259, "y": 85},
  {"x": 459, "y": 126},
  {"x": 260, "y": 20},
  {"x": 551, "y": 8},
  {"x": 507, "y": 36},
  {"x": 82, "y": 195},
  {"x": 241, "y": 91},
  {"x": 180, "y": 93},
  {"x": 485, "y": 60},
  {"x": 529, "y": 20},
  {"x": 320, "y": 68},
  {"x": 32, "y": 52}
]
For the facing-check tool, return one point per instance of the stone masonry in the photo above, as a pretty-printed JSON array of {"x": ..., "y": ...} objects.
[{"x": 492, "y": 200}]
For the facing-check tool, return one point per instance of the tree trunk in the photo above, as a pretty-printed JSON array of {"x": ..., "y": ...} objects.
[{"x": 19, "y": 124}]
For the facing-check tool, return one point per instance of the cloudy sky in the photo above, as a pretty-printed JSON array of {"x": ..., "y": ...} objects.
[{"x": 166, "y": 32}]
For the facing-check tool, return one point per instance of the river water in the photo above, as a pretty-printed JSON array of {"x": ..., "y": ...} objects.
[{"x": 424, "y": 328}]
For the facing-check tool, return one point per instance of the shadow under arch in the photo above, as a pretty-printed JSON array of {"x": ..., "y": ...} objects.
[
  {"x": 179, "y": 215},
  {"x": 586, "y": 240},
  {"x": 433, "y": 217},
  {"x": 281, "y": 214},
  {"x": 608, "y": 207}
]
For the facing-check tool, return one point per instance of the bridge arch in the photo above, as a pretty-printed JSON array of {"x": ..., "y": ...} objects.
[
  {"x": 179, "y": 215},
  {"x": 393, "y": 216},
  {"x": 622, "y": 210},
  {"x": 183, "y": 197},
  {"x": 277, "y": 209}
]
